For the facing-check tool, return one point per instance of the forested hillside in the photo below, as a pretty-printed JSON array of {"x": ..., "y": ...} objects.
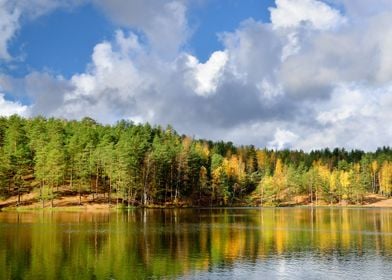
[{"x": 143, "y": 165}]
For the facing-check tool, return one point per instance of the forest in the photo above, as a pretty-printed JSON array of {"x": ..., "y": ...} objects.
[{"x": 129, "y": 164}]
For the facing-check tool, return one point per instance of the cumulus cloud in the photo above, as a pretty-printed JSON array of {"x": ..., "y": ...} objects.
[
  {"x": 108, "y": 88},
  {"x": 205, "y": 76},
  {"x": 8, "y": 108},
  {"x": 359, "y": 9},
  {"x": 316, "y": 14},
  {"x": 254, "y": 50},
  {"x": 355, "y": 116},
  {"x": 163, "y": 22},
  {"x": 282, "y": 139},
  {"x": 313, "y": 77}
]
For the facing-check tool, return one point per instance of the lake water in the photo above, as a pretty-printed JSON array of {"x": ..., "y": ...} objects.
[{"x": 290, "y": 243}]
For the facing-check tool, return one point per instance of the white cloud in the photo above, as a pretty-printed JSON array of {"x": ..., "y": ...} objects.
[
  {"x": 292, "y": 46},
  {"x": 282, "y": 139},
  {"x": 355, "y": 116},
  {"x": 206, "y": 75},
  {"x": 294, "y": 13},
  {"x": 163, "y": 22},
  {"x": 9, "y": 23},
  {"x": 362, "y": 9},
  {"x": 109, "y": 85},
  {"x": 254, "y": 50},
  {"x": 8, "y": 108},
  {"x": 345, "y": 104},
  {"x": 269, "y": 89}
]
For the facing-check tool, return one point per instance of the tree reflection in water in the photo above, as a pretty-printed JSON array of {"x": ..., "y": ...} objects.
[{"x": 190, "y": 243}]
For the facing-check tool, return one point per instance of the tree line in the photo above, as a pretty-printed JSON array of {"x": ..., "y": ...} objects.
[{"x": 141, "y": 165}]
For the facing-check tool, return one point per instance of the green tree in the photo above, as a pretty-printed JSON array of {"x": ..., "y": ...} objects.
[{"x": 16, "y": 156}]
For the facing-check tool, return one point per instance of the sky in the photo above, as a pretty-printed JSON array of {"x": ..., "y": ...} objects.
[{"x": 297, "y": 74}]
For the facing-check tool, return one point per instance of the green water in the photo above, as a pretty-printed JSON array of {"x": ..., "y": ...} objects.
[{"x": 297, "y": 243}]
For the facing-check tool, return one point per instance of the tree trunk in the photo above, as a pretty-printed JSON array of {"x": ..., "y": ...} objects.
[
  {"x": 262, "y": 197},
  {"x": 41, "y": 193},
  {"x": 110, "y": 192},
  {"x": 51, "y": 196},
  {"x": 18, "y": 196},
  {"x": 117, "y": 191},
  {"x": 128, "y": 196},
  {"x": 71, "y": 180},
  {"x": 145, "y": 179},
  {"x": 92, "y": 186},
  {"x": 96, "y": 182},
  {"x": 80, "y": 194}
]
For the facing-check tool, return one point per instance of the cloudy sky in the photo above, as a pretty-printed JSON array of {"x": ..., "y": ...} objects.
[{"x": 302, "y": 74}]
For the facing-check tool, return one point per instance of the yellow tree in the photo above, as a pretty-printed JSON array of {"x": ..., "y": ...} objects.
[
  {"x": 267, "y": 190},
  {"x": 322, "y": 180},
  {"x": 344, "y": 182},
  {"x": 385, "y": 179},
  {"x": 203, "y": 182},
  {"x": 235, "y": 170},
  {"x": 219, "y": 186},
  {"x": 280, "y": 180},
  {"x": 333, "y": 182},
  {"x": 358, "y": 187},
  {"x": 374, "y": 169},
  {"x": 262, "y": 160}
]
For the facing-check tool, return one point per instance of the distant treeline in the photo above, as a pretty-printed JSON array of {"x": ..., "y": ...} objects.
[{"x": 144, "y": 165}]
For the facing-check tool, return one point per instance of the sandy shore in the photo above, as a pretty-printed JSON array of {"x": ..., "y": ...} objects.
[
  {"x": 30, "y": 202},
  {"x": 382, "y": 203}
]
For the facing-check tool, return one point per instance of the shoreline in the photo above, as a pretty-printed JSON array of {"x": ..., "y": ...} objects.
[
  {"x": 113, "y": 208},
  {"x": 72, "y": 204}
]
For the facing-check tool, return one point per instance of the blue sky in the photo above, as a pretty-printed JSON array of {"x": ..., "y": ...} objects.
[
  {"x": 300, "y": 74},
  {"x": 218, "y": 16},
  {"x": 61, "y": 41}
]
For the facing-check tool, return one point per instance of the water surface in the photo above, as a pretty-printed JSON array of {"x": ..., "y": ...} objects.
[{"x": 291, "y": 243}]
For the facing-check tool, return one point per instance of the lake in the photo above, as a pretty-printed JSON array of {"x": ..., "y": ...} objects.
[{"x": 280, "y": 243}]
